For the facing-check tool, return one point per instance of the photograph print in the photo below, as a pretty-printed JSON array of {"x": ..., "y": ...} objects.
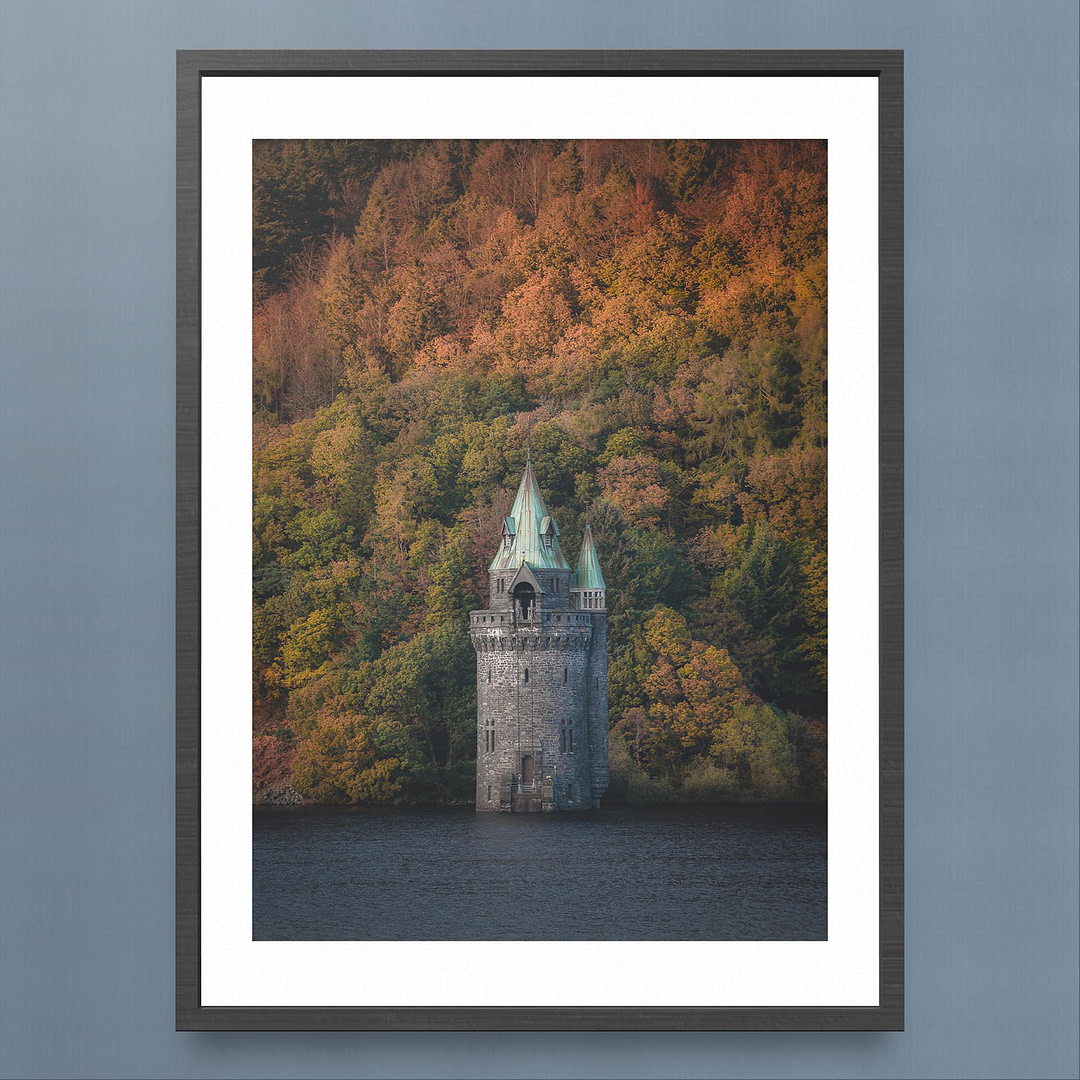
[{"x": 540, "y": 566}]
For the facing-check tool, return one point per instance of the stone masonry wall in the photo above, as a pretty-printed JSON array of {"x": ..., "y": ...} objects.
[
  {"x": 555, "y": 583},
  {"x": 528, "y": 714},
  {"x": 596, "y": 680}
]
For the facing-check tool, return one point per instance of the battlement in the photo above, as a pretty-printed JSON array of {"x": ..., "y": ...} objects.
[
  {"x": 538, "y": 619},
  {"x": 557, "y": 631}
]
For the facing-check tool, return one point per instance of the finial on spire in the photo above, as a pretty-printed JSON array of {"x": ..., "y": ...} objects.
[{"x": 528, "y": 452}]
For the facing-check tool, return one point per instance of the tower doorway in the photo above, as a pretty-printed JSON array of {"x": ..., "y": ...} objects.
[{"x": 527, "y": 769}]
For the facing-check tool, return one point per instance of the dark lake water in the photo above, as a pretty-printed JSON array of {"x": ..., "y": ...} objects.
[{"x": 619, "y": 873}]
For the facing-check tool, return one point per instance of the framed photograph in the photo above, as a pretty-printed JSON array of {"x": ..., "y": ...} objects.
[{"x": 539, "y": 540}]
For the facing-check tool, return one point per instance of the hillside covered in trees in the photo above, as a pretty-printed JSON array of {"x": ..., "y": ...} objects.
[{"x": 650, "y": 317}]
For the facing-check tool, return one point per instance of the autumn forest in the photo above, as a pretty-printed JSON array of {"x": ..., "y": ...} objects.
[{"x": 649, "y": 317}]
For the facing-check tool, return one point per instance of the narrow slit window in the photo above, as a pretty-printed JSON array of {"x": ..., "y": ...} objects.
[
  {"x": 526, "y": 676},
  {"x": 565, "y": 676}
]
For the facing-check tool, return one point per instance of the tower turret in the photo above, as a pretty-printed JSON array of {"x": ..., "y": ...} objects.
[
  {"x": 590, "y": 595},
  {"x": 541, "y": 731},
  {"x": 589, "y": 587}
]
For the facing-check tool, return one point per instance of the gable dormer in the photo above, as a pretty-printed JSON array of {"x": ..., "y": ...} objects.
[
  {"x": 525, "y": 594},
  {"x": 509, "y": 530},
  {"x": 549, "y": 531},
  {"x": 525, "y": 576}
]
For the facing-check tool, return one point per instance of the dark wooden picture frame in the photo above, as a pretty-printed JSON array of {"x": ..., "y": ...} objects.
[{"x": 887, "y": 67}]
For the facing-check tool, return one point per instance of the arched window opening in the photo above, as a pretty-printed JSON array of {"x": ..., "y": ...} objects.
[{"x": 524, "y": 600}]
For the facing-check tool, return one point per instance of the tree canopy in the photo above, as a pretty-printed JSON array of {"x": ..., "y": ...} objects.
[{"x": 650, "y": 317}]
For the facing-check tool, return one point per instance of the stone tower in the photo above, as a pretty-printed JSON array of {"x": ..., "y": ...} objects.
[{"x": 541, "y": 669}]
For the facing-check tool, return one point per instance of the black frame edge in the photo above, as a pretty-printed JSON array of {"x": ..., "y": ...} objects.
[
  {"x": 187, "y": 542},
  {"x": 891, "y": 537}
]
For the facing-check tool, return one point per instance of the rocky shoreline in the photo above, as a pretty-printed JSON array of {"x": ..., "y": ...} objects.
[{"x": 279, "y": 795}]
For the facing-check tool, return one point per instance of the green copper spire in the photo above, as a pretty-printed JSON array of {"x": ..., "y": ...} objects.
[
  {"x": 588, "y": 574},
  {"x": 530, "y": 534}
]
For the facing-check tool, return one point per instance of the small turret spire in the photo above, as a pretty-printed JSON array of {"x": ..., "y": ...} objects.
[{"x": 589, "y": 575}]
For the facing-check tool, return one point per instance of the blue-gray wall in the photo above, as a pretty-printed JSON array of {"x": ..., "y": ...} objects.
[{"x": 86, "y": 528}]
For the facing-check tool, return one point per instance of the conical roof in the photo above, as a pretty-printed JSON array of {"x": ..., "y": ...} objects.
[
  {"x": 588, "y": 575},
  {"x": 529, "y": 520}
]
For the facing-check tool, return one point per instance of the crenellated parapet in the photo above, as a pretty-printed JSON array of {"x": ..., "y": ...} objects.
[
  {"x": 552, "y": 624},
  {"x": 496, "y": 641}
]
